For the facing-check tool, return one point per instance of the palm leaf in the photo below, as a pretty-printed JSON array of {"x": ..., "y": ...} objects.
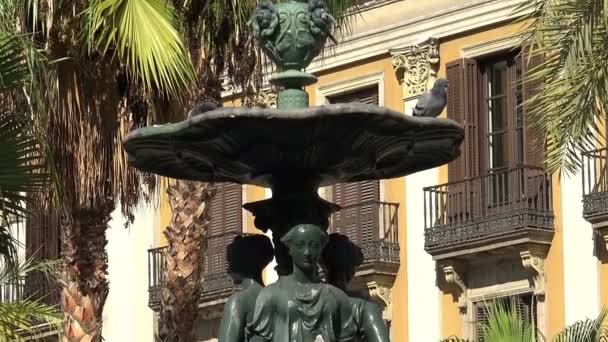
[
  {"x": 505, "y": 325},
  {"x": 145, "y": 38},
  {"x": 13, "y": 64},
  {"x": 20, "y": 315},
  {"x": 571, "y": 37},
  {"x": 21, "y": 169},
  {"x": 589, "y": 330}
]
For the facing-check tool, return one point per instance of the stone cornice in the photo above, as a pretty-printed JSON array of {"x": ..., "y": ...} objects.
[{"x": 412, "y": 31}]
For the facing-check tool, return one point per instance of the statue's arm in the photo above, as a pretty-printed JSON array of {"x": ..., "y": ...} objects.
[
  {"x": 232, "y": 327},
  {"x": 373, "y": 324}
]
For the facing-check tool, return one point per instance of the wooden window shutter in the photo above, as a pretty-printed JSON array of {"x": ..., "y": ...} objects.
[
  {"x": 360, "y": 215},
  {"x": 359, "y": 218},
  {"x": 534, "y": 142},
  {"x": 42, "y": 241},
  {"x": 367, "y": 95},
  {"x": 482, "y": 315},
  {"x": 463, "y": 106},
  {"x": 226, "y": 221}
]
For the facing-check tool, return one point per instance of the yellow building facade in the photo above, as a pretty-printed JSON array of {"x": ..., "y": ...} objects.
[{"x": 495, "y": 228}]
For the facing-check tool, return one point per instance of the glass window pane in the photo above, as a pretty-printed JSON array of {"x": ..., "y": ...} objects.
[
  {"x": 499, "y": 150},
  {"x": 497, "y": 110}
]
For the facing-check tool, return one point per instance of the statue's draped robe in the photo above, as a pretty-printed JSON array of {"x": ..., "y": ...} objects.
[{"x": 289, "y": 312}]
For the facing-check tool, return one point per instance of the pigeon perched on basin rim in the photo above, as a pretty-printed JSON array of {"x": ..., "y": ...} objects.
[{"x": 432, "y": 102}]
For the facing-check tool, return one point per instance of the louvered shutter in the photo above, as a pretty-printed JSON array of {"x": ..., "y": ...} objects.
[
  {"x": 359, "y": 218},
  {"x": 367, "y": 95},
  {"x": 226, "y": 221},
  {"x": 533, "y": 141},
  {"x": 463, "y": 106},
  {"x": 482, "y": 315},
  {"x": 42, "y": 243}
]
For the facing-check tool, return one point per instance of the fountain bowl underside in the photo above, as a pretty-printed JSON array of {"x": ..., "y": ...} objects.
[{"x": 325, "y": 144}]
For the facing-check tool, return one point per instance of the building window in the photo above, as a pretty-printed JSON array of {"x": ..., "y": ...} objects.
[
  {"x": 486, "y": 95},
  {"x": 523, "y": 304},
  {"x": 359, "y": 217}
]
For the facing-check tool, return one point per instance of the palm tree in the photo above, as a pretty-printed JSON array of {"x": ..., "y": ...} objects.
[
  {"x": 22, "y": 175},
  {"x": 183, "y": 273},
  {"x": 571, "y": 38},
  {"x": 116, "y": 64}
]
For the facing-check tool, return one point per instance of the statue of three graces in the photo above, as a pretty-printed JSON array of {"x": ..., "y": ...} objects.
[{"x": 299, "y": 307}]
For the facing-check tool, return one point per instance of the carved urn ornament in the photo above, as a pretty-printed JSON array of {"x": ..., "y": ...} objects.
[{"x": 294, "y": 149}]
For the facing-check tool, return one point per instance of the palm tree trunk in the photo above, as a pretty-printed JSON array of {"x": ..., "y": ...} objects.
[
  {"x": 84, "y": 287},
  {"x": 184, "y": 260}
]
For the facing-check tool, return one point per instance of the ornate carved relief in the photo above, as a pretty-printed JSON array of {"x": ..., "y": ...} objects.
[
  {"x": 416, "y": 66},
  {"x": 533, "y": 260},
  {"x": 454, "y": 275},
  {"x": 381, "y": 295},
  {"x": 265, "y": 99}
]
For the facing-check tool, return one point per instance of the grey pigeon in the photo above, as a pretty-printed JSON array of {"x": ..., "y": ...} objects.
[
  {"x": 431, "y": 103},
  {"x": 202, "y": 108}
]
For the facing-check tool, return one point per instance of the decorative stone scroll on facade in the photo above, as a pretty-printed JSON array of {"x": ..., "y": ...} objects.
[
  {"x": 454, "y": 276},
  {"x": 533, "y": 260},
  {"x": 416, "y": 66},
  {"x": 266, "y": 98},
  {"x": 382, "y": 296}
]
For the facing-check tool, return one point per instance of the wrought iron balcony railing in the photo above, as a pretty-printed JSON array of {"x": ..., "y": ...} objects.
[
  {"x": 595, "y": 185},
  {"x": 486, "y": 207},
  {"x": 35, "y": 287},
  {"x": 373, "y": 226},
  {"x": 10, "y": 292}
]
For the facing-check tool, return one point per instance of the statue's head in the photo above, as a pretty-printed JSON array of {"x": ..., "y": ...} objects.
[
  {"x": 305, "y": 243},
  {"x": 340, "y": 259},
  {"x": 248, "y": 255}
]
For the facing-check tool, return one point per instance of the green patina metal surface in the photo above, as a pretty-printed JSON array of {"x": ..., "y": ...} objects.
[{"x": 292, "y": 34}]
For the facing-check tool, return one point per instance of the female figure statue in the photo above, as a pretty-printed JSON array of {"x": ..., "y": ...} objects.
[
  {"x": 247, "y": 256},
  {"x": 340, "y": 259},
  {"x": 299, "y": 307}
]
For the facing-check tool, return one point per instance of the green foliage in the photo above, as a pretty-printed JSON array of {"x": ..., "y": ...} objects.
[
  {"x": 505, "y": 325},
  {"x": 571, "y": 38},
  {"x": 589, "y": 330},
  {"x": 143, "y": 34},
  {"x": 19, "y": 316}
]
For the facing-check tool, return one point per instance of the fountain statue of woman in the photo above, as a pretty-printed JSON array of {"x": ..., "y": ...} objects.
[
  {"x": 247, "y": 256},
  {"x": 340, "y": 259},
  {"x": 299, "y": 307}
]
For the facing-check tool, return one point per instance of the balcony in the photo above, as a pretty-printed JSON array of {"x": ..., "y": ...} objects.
[
  {"x": 490, "y": 212},
  {"x": 34, "y": 287},
  {"x": 217, "y": 285},
  {"x": 595, "y": 185},
  {"x": 373, "y": 226},
  {"x": 595, "y": 194}
]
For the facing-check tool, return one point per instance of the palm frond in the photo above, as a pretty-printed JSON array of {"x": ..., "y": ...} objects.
[
  {"x": 571, "y": 37},
  {"x": 20, "y": 316},
  {"x": 144, "y": 35},
  {"x": 505, "y": 325},
  {"x": 21, "y": 168},
  {"x": 589, "y": 330},
  {"x": 13, "y": 64}
]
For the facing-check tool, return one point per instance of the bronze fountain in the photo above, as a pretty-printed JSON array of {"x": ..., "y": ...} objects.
[{"x": 294, "y": 150}]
